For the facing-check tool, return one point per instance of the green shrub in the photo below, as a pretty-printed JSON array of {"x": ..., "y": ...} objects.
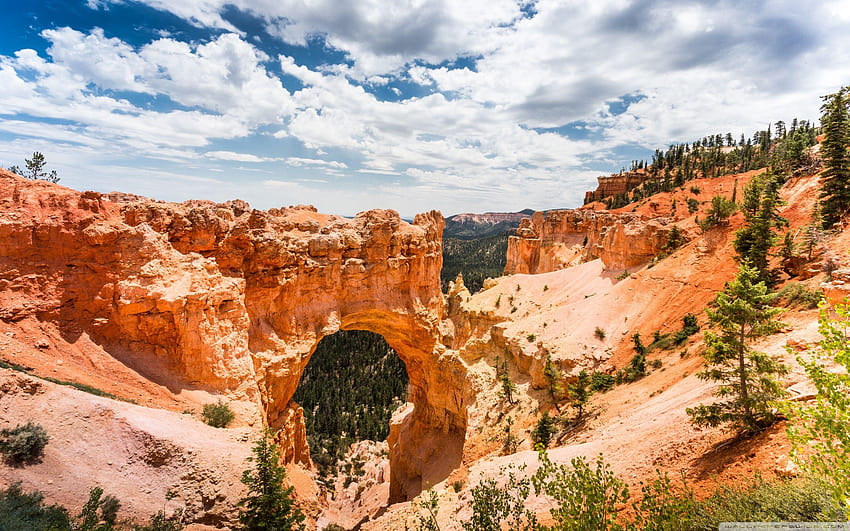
[
  {"x": 99, "y": 513},
  {"x": 600, "y": 381},
  {"x": 797, "y": 294},
  {"x": 624, "y": 275},
  {"x": 801, "y": 500},
  {"x": 675, "y": 239},
  {"x": 25, "y": 511},
  {"x": 599, "y": 333},
  {"x": 718, "y": 214},
  {"x": 663, "y": 507},
  {"x": 494, "y": 505},
  {"x": 429, "y": 502},
  {"x": 689, "y": 328},
  {"x": 693, "y": 205},
  {"x": 662, "y": 341},
  {"x": 23, "y": 442},
  {"x": 218, "y": 415},
  {"x": 587, "y": 497}
]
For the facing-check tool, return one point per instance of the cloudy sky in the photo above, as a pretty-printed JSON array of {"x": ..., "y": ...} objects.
[{"x": 456, "y": 105}]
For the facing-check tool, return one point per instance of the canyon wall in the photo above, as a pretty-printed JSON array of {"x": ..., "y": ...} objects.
[
  {"x": 616, "y": 184},
  {"x": 235, "y": 300},
  {"x": 558, "y": 239}
]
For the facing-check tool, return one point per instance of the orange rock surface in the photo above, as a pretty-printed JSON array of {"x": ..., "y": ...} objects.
[
  {"x": 616, "y": 184},
  {"x": 235, "y": 300},
  {"x": 557, "y": 239}
]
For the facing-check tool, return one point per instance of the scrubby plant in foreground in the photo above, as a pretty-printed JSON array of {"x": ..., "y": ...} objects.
[
  {"x": 161, "y": 522},
  {"x": 825, "y": 424},
  {"x": 23, "y": 443},
  {"x": 99, "y": 513},
  {"x": 26, "y": 511},
  {"x": 799, "y": 500},
  {"x": 587, "y": 496},
  {"x": 494, "y": 505}
]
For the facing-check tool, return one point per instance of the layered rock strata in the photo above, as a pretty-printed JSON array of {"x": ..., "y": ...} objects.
[
  {"x": 616, "y": 184},
  {"x": 558, "y": 239}
]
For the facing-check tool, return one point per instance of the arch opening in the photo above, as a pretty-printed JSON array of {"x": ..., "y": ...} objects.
[{"x": 349, "y": 389}]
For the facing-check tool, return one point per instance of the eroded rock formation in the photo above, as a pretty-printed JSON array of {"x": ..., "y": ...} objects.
[
  {"x": 236, "y": 300},
  {"x": 557, "y": 239},
  {"x": 616, "y": 184}
]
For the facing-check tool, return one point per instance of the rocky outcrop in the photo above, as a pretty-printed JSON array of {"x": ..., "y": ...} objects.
[
  {"x": 614, "y": 185},
  {"x": 235, "y": 299},
  {"x": 557, "y": 239}
]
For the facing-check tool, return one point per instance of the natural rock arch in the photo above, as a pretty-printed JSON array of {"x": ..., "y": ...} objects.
[
  {"x": 235, "y": 300},
  {"x": 426, "y": 441},
  {"x": 386, "y": 282}
]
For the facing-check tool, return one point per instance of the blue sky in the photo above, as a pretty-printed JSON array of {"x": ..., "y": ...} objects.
[{"x": 494, "y": 105}]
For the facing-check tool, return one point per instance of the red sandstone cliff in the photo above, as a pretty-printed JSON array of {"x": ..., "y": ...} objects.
[
  {"x": 557, "y": 239},
  {"x": 616, "y": 184},
  {"x": 235, "y": 300}
]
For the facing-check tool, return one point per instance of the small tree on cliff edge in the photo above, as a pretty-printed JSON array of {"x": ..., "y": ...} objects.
[
  {"x": 268, "y": 506},
  {"x": 747, "y": 385},
  {"x": 35, "y": 169}
]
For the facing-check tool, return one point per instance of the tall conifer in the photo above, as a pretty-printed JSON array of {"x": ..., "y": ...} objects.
[
  {"x": 835, "y": 192},
  {"x": 747, "y": 378}
]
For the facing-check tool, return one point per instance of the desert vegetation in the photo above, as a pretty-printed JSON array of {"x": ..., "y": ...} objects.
[{"x": 23, "y": 443}]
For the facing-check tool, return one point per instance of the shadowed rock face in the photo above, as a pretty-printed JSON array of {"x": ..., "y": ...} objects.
[
  {"x": 556, "y": 239},
  {"x": 236, "y": 300}
]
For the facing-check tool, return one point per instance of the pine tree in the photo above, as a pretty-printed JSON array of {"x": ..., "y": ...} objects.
[
  {"x": 747, "y": 384},
  {"x": 553, "y": 378},
  {"x": 580, "y": 392},
  {"x": 835, "y": 192},
  {"x": 35, "y": 169},
  {"x": 761, "y": 209},
  {"x": 268, "y": 506}
]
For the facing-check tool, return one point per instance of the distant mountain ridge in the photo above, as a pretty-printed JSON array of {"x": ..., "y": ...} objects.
[{"x": 469, "y": 226}]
